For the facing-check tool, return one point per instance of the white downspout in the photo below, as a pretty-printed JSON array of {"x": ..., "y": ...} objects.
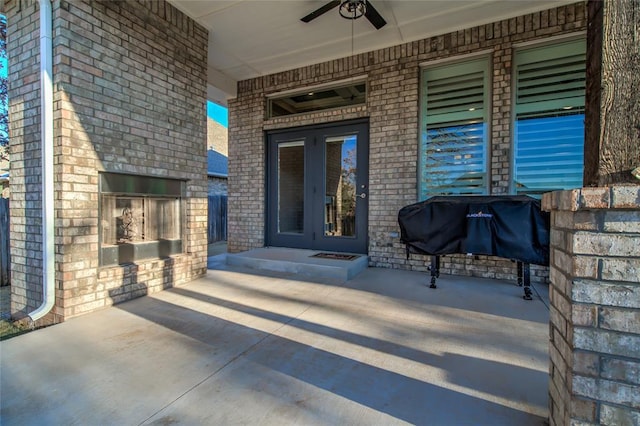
[{"x": 46, "y": 132}]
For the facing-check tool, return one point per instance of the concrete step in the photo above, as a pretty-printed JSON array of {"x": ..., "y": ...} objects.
[{"x": 298, "y": 261}]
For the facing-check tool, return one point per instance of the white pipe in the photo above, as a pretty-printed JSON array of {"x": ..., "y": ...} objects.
[{"x": 46, "y": 132}]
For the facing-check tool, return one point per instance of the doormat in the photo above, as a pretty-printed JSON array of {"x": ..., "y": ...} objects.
[{"x": 336, "y": 256}]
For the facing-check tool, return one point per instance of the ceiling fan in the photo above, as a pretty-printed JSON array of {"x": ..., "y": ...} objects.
[{"x": 350, "y": 9}]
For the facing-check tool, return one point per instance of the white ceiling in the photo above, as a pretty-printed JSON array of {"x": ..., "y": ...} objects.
[{"x": 250, "y": 38}]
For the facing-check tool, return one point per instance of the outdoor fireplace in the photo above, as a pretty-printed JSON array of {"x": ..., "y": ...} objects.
[{"x": 140, "y": 218}]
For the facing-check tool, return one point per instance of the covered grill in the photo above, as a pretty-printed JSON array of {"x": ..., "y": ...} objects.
[{"x": 512, "y": 227}]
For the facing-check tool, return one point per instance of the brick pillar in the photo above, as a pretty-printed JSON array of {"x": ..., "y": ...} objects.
[
  {"x": 129, "y": 97},
  {"x": 595, "y": 306}
]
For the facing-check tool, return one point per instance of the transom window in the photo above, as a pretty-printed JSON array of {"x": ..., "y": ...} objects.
[
  {"x": 453, "y": 123},
  {"x": 317, "y": 99},
  {"x": 549, "y": 117}
]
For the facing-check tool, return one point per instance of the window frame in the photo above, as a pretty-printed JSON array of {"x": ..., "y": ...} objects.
[
  {"x": 481, "y": 60},
  {"x": 531, "y": 48},
  {"x": 319, "y": 96}
]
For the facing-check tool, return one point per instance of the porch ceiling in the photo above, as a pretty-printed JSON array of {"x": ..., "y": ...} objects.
[{"x": 250, "y": 38}]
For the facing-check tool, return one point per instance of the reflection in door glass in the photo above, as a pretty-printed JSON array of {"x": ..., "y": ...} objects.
[
  {"x": 291, "y": 187},
  {"x": 340, "y": 187}
]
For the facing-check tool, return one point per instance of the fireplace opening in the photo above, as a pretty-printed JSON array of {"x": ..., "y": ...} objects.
[{"x": 140, "y": 218}]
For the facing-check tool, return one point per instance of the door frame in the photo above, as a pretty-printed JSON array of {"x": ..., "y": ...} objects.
[{"x": 313, "y": 236}]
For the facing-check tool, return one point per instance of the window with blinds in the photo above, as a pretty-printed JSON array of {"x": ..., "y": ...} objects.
[
  {"x": 453, "y": 122},
  {"x": 549, "y": 117}
]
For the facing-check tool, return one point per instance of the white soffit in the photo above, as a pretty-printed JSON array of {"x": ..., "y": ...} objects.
[{"x": 250, "y": 38}]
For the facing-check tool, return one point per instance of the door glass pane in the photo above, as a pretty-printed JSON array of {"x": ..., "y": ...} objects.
[
  {"x": 291, "y": 187},
  {"x": 340, "y": 187},
  {"x": 162, "y": 219}
]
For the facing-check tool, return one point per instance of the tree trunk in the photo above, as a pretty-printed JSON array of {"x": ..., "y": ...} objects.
[{"x": 612, "y": 121}]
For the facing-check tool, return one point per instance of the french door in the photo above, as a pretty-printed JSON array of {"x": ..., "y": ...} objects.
[{"x": 317, "y": 187}]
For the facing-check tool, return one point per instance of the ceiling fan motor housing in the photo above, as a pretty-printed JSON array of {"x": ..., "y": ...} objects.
[{"x": 353, "y": 9}]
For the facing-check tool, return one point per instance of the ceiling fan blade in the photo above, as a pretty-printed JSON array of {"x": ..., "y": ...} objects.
[
  {"x": 374, "y": 17},
  {"x": 324, "y": 9}
]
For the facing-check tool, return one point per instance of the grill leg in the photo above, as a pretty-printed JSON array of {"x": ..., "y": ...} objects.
[
  {"x": 527, "y": 282},
  {"x": 519, "y": 266},
  {"x": 435, "y": 270}
]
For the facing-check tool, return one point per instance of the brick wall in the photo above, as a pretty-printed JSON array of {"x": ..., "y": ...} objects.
[
  {"x": 392, "y": 109},
  {"x": 595, "y": 306},
  {"x": 217, "y": 137},
  {"x": 129, "y": 96}
]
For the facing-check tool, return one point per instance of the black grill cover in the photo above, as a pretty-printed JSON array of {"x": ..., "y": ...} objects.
[{"x": 512, "y": 227}]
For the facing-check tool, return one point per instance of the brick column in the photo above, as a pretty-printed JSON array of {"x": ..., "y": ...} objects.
[
  {"x": 129, "y": 97},
  {"x": 595, "y": 306}
]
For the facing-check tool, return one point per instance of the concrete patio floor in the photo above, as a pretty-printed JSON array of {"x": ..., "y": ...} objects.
[{"x": 238, "y": 347}]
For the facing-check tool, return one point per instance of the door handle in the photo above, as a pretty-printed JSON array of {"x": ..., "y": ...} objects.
[{"x": 363, "y": 195}]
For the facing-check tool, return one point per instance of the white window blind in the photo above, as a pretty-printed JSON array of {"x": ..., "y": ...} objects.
[
  {"x": 454, "y": 131},
  {"x": 549, "y": 117}
]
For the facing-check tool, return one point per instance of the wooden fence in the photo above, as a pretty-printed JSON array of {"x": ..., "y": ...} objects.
[
  {"x": 217, "y": 228},
  {"x": 4, "y": 242}
]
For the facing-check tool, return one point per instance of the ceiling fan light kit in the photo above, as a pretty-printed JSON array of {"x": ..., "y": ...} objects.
[{"x": 353, "y": 9}]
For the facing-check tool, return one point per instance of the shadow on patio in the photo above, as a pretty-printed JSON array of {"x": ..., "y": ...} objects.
[{"x": 241, "y": 348}]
